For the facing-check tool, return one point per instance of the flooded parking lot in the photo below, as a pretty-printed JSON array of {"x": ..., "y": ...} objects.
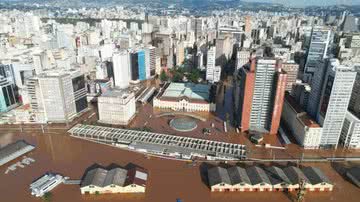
[{"x": 168, "y": 179}]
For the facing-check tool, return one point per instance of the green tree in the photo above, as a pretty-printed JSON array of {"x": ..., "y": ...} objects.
[
  {"x": 177, "y": 77},
  {"x": 194, "y": 75},
  {"x": 47, "y": 197},
  {"x": 163, "y": 76}
]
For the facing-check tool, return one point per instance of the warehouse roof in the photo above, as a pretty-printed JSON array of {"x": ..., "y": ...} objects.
[
  {"x": 238, "y": 175},
  {"x": 117, "y": 176},
  {"x": 354, "y": 175},
  {"x": 277, "y": 175},
  {"x": 295, "y": 174},
  {"x": 315, "y": 175},
  {"x": 218, "y": 175},
  {"x": 14, "y": 147},
  {"x": 257, "y": 175}
]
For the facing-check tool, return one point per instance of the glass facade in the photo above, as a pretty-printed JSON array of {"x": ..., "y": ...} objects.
[
  {"x": 7, "y": 98},
  {"x": 134, "y": 66},
  {"x": 141, "y": 65}
]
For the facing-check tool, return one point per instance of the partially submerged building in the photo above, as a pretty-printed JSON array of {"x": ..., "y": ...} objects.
[
  {"x": 45, "y": 184},
  {"x": 317, "y": 180},
  {"x": 160, "y": 144},
  {"x": 354, "y": 175},
  {"x": 116, "y": 106},
  {"x": 14, "y": 150},
  {"x": 116, "y": 180},
  {"x": 268, "y": 179}
]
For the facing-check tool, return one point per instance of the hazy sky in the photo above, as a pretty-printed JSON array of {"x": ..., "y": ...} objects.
[
  {"x": 296, "y": 3},
  {"x": 310, "y": 2}
]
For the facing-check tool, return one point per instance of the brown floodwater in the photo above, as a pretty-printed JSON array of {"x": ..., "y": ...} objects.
[{"x": 168, "y": 179}]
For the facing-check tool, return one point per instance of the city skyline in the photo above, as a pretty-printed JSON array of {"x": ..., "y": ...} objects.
[{"x": 213, "y": 100}]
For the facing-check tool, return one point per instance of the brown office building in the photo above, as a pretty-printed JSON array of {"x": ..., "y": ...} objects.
[{"x": 259, "y": 95}]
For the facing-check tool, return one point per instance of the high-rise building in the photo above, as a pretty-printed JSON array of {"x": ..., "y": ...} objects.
[
  {"x": 350, "y": 133},
  {"x": 320, "y": 42},
  {"x": 116, "y": 107},
  {"x": 200, "y": 60},
  {"x": 8, "y": 95},
  {"x": 247, "y": 28},
  {"x": 350, "y": 24},
  {"x": 261, "y": 90},
  {"x": 134, "y": 66},
  {"x": 334, "y": 101},
  {"x": 224, "y": 48},
  {"x": 150, "y": 58},
  {"x": 213, "y": 74},
  {"x": 210, "y": 66},
  {"x": 63, "y": 94},
  {"x": 138, "y": 65},
  {"x": 197, "y": 25},
  {"x": 242, "y": 58},
  {"x": 141, "y": 65},
  {"x": 121, "y": 65},
  {"x": 180, "y": 53},
  {"x": 292, "y": 70},
  {"x": 354, "y": 105},
  {"x": 305, "y": 130},
  {"x": 243, "y": 95}
]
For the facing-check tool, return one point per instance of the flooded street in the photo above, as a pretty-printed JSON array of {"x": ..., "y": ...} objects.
[{"x": 168, "y": 179}]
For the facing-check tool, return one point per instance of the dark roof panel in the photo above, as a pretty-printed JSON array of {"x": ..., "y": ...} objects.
[
  {"x": 295, "y": 174},
  {"x": 257, "y": 175},
  {"x": 315, "y": 175},
  {"x": 277, "y": 175},
  {"x": 238, "y": 175},
  {"x": 218, "y": 175}
]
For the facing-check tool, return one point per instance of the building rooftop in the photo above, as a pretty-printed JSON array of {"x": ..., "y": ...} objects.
[
  {"x": 13, "y": 148},
  {"x": 238, "y": 175},
  {"x": 101, "y": 177},
  {"x": 189, "y": 90},
  {"x": 270, "y": 175},
  {"x": 218, "y": 175},
  {"x": 308, "y": 121},
  {"x": 295, "y": 174},
  {"x": 354, "y": 175},
  {"x": 301, "y": 114},
  {"x": 315, "y": 175},
  {"x": 119, "y": 93},
  {"x": 257, "y": 175},
  {"x": 159, "y": 142}
]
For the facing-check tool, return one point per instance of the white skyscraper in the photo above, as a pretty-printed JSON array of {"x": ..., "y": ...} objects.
[
  {"x": 150, "y": 61},
  {"x": 63, "y": 94},
  {"x": 242, "y": 58},
  {"x": 210, "y": 66},
  {"x": 121, "y": 66},
  {"x": 334, "y": 101}
]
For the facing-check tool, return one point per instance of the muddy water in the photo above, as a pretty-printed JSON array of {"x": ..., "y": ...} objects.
[{"x": 168, "y": 179}]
